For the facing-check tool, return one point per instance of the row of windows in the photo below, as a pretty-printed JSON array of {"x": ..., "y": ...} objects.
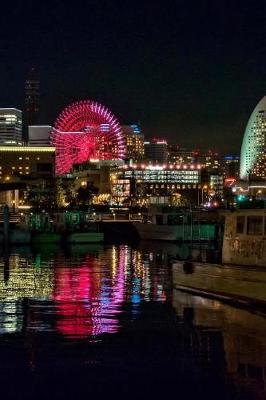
[
  {"x": 254, "y": 225},
  {"x": 171, "y": 174},
  {"x": 26, "y": 158}
]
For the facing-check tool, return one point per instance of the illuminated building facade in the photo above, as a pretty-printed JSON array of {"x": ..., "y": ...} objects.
[
  {"x": 96, "y": 174},
  {"x": 209, "y": 160},
  {"x": 134, "y": 142},
  {"x": 145, "y": 181},
  {"x": 26, "y": 171},
  {"x": 216, "y": 182},
  {"x": 156, "y": 151},
  {"x": 18, "y": 162},
  {"x": 253, "y": 150},
  {"x": 10, "y": 126},
  {"x": 179, "y": 155},
  {"x": 231, "y": 166}
]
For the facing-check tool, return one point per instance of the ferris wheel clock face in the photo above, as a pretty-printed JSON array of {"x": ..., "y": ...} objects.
[{"x": 86, "y": 130}]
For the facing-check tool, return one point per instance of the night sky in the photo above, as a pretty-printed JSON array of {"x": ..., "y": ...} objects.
[{"x": 189, "y": 71}]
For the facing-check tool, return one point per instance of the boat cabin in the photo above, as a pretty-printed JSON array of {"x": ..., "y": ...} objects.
[{"x": 245, "y": 237}]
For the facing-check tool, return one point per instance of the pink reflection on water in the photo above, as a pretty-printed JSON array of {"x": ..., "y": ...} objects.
[{"x": 87, "y": 299}]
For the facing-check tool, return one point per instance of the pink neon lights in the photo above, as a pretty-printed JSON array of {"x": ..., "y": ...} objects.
[{"x": 86, "y": 130}]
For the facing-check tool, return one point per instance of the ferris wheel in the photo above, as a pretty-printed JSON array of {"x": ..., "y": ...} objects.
[{"x": 83, "y": 131}]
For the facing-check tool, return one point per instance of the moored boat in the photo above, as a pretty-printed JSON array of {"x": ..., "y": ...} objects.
[
  {"x": 242, "y": 274},
  {"x": 85, "y": 237},
  {"x": 169, "y": 223}
]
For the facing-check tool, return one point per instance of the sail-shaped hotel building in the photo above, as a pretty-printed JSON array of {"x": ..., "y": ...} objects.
[{"x": 253, "y": 150}]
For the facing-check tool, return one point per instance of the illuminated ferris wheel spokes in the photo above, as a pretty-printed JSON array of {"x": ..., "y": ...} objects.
[{"x": 86, "y": 130}]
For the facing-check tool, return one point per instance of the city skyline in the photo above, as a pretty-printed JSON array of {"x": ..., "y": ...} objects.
[{"x": 146, "y": 64}]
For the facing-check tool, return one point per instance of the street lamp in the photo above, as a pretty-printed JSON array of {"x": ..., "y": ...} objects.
[{"x": 203, "y": 188}]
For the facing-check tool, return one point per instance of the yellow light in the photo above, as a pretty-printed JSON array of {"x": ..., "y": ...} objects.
[
  {"x": 27, "y": 149},
  {"x": 7, "y": 178}
]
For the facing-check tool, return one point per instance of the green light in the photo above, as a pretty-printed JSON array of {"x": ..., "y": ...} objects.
[{"x": 241, "y": 197}]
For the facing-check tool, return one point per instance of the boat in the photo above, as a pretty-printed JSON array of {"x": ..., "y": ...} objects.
[
  {"x": 170, "y": 223},
  {"x": 85, "y": 237},
  {"x": 241, "y": 276},
  {"x": 245, "y": 238},
  {"x": 77, "y": 227}
]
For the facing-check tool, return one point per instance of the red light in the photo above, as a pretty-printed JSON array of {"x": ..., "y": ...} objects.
[{"x": 86, "y": 130}]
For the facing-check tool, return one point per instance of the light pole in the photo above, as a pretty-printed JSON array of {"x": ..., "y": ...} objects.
[{"x": 205, "y": 187}]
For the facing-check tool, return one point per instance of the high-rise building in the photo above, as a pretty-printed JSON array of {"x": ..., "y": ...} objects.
[
  {"x": 39, "y": 135},
  {"x": 10, "y": 126},
  {"x": 231, "y": 166},
  {"x": 253, "y": 150},
  {"x": 32, "y": 87},
  {"x": 134, "y": 141},
  {"x": 156, "y": 151}
]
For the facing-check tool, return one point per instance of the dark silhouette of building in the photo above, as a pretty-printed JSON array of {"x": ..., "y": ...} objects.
[
  {"x": 156, "y": 151},
  {"x": 32, "y": 87}
]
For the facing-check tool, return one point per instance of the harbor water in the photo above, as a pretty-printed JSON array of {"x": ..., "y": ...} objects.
[{"x": 103, "y": 321}]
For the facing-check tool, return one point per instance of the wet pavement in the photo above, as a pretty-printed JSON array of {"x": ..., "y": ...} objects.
[{"x": 103, "y": 321}]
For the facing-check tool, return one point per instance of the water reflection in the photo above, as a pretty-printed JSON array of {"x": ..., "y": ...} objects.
[
  {"x": 86, "y": 292},
  {"x": 240, "y": 333},
  {"x": 103, "y": 306}
]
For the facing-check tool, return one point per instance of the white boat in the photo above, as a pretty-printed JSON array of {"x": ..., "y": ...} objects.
[
  {"x": 242, "y": 274},
  {"x": 169, "y": 223}
]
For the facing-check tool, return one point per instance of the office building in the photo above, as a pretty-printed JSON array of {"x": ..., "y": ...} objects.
[
  {"x": 231, "y": 166},
  {"x": 141, "y": 182},
  {"x": 179, "y": 155},
  {"x": 94, "y": 173},
  {"x": 39, "y": 135},
  {"x": 26, "y": 175},
  {"x": 10, "y": 126},
  {"x": 134, "y": 142}
]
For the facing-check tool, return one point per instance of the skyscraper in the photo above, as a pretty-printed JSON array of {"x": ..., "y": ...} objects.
[
  {"x": 10, "y": 126},
  {"x": 134, "y": 141},
  {"x": 32, "y": 86},
  {"x": 253, "y": 150}
]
